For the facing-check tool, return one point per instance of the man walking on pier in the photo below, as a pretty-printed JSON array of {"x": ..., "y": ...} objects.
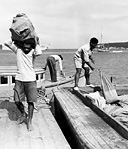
[
  {"x": 25, "y": 81},
  {"x": 82, "y": 59}
]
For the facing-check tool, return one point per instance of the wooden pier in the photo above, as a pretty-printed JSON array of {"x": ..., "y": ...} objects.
[
  {"x": 46, "y": 134},
  {"x": 90, "y": 131}
]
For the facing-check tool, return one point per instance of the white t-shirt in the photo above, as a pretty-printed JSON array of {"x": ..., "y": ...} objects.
[
  {"x": 87, "y": 52},
  {"x": 58, "y": 59},
  {"x": 25, "y": 64}
]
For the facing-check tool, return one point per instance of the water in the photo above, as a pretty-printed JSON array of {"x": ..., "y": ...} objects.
[{"x": 112, "y": 64}]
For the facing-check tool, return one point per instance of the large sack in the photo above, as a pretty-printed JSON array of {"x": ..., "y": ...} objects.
[
  {"x": 109, "y": 91},
  {"x": 22, "y": 28}
]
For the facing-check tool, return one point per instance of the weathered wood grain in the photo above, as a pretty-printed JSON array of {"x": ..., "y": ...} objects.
[
  {"x": 90, "y": 130},
  {"x": 46, "y": 133}
]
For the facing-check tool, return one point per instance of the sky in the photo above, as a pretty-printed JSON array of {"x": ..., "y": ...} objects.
[{"x": 69, "y": 23}]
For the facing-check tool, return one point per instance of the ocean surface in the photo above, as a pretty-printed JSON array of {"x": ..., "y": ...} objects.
[{"x": 112, "y": 64}]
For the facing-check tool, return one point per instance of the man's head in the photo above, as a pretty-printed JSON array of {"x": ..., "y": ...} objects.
[
  {"x": 60, "y": 57},
  {"x": 26, "y": 45},
  {"x": 93, "y": 42}
]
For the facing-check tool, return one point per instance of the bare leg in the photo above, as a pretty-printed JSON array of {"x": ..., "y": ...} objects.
[
  {"x": 20, "y": 106},
  {"x": 77, "y": 76},
  {"x": 30, "y": 115},
  {"x": 87, "y": 75}
]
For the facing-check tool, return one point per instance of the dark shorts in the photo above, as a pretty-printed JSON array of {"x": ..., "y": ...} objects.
[
  {"x": 28, "y": 89},
  {"x": 52, "y": 68}
]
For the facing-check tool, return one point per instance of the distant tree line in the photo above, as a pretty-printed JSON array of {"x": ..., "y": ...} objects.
[{"x": 117, "y": 44}]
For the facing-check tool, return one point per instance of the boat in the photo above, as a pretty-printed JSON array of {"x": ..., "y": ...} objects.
[
  {"x": 7, "y": 78},
  {"x": 117, "y": 51},
  {"x": 89, "y": 129},
  {"x": 102, "y": 48},
  {"x": 92, "y": 127}
]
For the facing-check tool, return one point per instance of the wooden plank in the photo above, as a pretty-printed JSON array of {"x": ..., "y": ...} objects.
[
  {"x": 55, "y": 132},
  {"x": 49, "y": 84},
  {"x": 46, "y": 133},
  {"x": 63, "y": 81},
  {"x": 121, "y": 129},
  {"x": 90, "y": 130}
]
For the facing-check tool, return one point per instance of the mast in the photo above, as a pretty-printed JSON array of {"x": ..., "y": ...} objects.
[
  {"x": 102, "y": 45},
  {"x": 101, "y": 35}
]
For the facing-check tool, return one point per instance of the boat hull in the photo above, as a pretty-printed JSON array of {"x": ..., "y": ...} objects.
[{"x": 89, "y": 129}]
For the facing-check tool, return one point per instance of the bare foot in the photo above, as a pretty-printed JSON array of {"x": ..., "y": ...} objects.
[{"x": 30, "y": 126}]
